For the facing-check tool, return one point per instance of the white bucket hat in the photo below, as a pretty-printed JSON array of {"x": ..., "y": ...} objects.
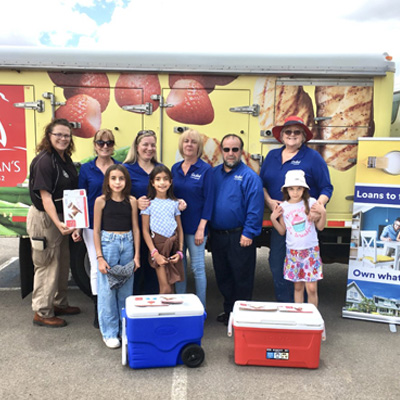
[{"x": 295, "y": 177}]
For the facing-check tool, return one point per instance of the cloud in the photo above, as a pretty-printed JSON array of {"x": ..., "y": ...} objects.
[{"x": 377, "y": 10}]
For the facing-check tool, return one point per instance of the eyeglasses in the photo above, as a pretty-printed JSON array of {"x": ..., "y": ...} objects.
[
  {"x": 228, "y": 149},
  {"x": 102, "y": 143},
  {"x": 146, "y": 132},
  {"x": 61, "y": 136},
  {"x": 288, "y": 132}
]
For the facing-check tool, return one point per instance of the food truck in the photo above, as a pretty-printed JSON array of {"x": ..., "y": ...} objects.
[{"x": 340, "y": 98}]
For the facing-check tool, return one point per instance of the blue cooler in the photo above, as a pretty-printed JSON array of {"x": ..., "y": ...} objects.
[{"x": 162, "y": 331}]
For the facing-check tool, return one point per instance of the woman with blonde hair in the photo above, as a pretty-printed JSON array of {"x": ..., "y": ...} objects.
[
  {"x": 192, "y": 179},
  {"x": 140, "y": 162}
]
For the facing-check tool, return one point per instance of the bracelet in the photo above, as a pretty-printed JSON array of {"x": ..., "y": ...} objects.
[
  {"x": 180, "y": 254},
  {"x": 154, "y": 251},
  {"x": 99, "y": 257}
]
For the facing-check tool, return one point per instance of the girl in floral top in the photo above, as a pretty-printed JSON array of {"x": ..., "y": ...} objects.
[{"x": 303, "y": 265}]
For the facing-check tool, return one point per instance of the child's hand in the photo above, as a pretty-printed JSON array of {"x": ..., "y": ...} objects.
[
  {"x": 103, "y": 266},
  {"x": 175, "y": 258},
  {"x": 136, "y": 260},
  {"x": 277, "y": 212},
  {"x": 160, "y": 259}
]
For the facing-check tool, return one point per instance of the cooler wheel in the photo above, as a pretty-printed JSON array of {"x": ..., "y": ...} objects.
[{"x": 192, "y": 355}]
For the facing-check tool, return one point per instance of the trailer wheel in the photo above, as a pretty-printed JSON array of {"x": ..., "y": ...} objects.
[
  {"x": 80, "y": 266},
  {"x": 192, "y": 355}
]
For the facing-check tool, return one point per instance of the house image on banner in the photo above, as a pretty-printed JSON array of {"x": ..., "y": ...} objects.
[{"x": 356, "y": 300}]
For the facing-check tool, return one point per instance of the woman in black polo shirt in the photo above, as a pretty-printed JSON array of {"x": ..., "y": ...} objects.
[{"x": 51, "y": 172}]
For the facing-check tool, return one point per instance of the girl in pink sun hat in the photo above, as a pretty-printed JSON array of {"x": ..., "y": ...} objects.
[{"x": 303, "y": 265}]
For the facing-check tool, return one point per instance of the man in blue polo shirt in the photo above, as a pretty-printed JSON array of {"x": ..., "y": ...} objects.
[{"x": 235, "y": 222}]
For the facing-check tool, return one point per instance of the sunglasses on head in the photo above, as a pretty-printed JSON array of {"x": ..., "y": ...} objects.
[
  {"x": 228, "y": 149},
  {"x": 102, "y": 143},
  {"x": 289, "y": 132},
  {"x": 146, "y": 132}
]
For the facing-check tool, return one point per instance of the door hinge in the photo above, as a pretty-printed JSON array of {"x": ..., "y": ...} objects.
[
  {"x": 146, "y": 108},
  {"x": 31, "y": 105},
  {"x": 254, "y": 110}
]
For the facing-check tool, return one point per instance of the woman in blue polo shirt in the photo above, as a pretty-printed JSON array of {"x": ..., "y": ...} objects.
[
  {"x": 293, "y": 155},
  {"x": 91, "y": 178},
  {"x": 192, "y": 179},
  {"x": 140, "y": 161}
]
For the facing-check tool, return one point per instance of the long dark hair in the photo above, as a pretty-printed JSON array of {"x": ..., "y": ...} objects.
[
  {"x": 151, "y": 191},
  {"x": 45, "y": 143},
  {"x": 106, "y": 183},
  {"x": 305, "y": 197}
]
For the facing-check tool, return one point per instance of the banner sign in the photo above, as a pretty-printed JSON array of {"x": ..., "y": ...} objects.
[{"x": 373, "y": 283}]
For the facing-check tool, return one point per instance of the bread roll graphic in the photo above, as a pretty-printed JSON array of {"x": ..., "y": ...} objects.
[
  {"x": 277, "y": 102},
  {"x": 351, "y": 116}
]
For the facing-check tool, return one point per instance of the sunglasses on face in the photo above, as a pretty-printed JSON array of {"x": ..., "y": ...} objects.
[
  {"x": 288, "y": 132},
  {"x": 228, "y": 149},
  {"x": 102, "y": 143}
]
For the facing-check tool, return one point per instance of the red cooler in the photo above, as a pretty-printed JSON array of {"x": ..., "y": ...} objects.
[{"x": 276, "y": 334}]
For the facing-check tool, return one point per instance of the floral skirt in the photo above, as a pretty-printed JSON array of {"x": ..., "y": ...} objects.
[{"x": 303, "y": 265}]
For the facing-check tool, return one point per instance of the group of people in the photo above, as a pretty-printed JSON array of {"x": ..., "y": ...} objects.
[{"x": 145, "y": 218}]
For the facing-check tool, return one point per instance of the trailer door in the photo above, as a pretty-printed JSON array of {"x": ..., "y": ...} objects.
[{"x": 210, "y": 114}]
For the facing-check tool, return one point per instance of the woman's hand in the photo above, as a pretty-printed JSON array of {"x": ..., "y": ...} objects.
[
  {"x": 76, "y": 235},
  {"x": 182, "y": 205},
  {"x": 316, "y": 211},
  {"x": 143, "y": 202},
  {"x": 199, "y": 237},
  {"x": 276, "y": 212},
  {"x": 65, "y": 231},
  {"x": 103, "y": 265}
]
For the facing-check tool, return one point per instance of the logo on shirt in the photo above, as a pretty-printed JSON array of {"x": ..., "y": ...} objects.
[
  {"x": 295, "y": 162},
  {"x": 195, "y": 176},
  {"x": 65, "y": 174},
  {"x": 238, "y": 178}
]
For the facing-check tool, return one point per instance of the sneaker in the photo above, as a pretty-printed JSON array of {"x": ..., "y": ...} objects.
[{"x": 112, "y": 343}]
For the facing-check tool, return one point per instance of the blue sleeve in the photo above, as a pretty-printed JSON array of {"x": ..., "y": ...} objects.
[
  {"x": 254, "y": 206},
  {"x": 82, "y": 179},
  {"x": 385, "y": 233},
  {"x": 321, "y": 173},
  {"x": 208, "y": 195}
]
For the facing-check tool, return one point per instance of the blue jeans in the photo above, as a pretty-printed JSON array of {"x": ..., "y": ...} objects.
[
  {"x": 198, "y": 267},
  {"x": 284, "y": 290},
  {"x": 117, "y": 250}
]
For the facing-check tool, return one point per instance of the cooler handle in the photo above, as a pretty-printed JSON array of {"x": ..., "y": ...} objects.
[{"x": 230, "y": 323}]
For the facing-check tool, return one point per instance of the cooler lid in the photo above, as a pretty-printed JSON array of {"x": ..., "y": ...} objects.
[
  {"x": 163, "y": 305},
  {"x": 277, "y": 315}
]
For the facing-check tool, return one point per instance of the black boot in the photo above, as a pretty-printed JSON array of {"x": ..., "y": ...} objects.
[{"x": 96, "y": 319}]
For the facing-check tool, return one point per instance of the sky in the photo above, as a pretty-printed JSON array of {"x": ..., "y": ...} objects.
[{"x": 215, "y": 26}]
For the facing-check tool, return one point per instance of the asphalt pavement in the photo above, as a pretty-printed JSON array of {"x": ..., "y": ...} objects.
[{"x": 359, "y": 359}]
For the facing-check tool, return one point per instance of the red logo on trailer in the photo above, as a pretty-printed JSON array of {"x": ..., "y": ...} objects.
[{"x": 12, "y": 137}]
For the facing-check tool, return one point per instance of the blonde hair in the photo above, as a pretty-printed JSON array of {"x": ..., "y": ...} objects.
[
  {"x": 132, "y": 156},
  {"x": 193, "y": 134}
]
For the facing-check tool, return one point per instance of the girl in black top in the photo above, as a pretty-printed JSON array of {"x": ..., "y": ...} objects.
[{"x": 117, "y": 242}]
